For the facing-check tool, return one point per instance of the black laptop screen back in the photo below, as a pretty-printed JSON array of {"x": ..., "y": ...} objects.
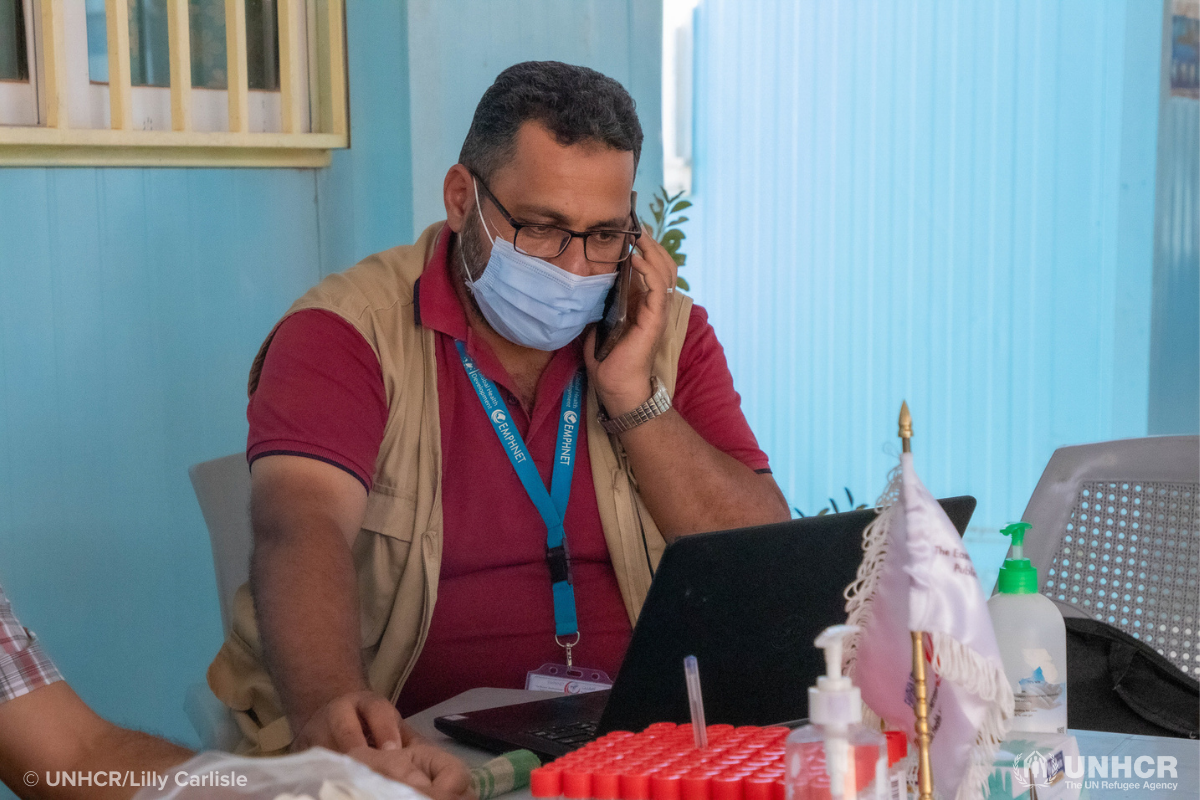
[{"x": 748, "y": 604}]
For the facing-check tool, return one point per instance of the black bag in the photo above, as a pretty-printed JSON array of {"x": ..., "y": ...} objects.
[{"x": 1120, "y": 684}]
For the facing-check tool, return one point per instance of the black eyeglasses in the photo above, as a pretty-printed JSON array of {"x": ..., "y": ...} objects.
[{"x": 551, "y": 241}]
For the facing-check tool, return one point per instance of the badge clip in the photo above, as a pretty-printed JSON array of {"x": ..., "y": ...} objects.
[{"x": 567, "y": 646}]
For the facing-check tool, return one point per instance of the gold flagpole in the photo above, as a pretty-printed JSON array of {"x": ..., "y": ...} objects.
[{"x": 924, "y": 773}]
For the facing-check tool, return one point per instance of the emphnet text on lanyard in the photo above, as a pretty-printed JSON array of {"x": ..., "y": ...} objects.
[{"x": 552, "y": 505}]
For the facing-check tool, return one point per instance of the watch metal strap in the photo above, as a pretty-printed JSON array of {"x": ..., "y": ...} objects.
[{"x": 659, "y": 403}]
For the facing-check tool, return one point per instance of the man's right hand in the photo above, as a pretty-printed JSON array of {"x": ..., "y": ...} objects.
[
  {"x": 306, "y": 514},
  {"x": 357, "y": 719}
]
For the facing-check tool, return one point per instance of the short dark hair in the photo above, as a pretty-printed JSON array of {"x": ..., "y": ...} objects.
[{"x": 575, "y": 104}]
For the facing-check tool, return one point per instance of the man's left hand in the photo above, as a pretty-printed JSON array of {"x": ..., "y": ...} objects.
[{"x": 622, "y": 380}]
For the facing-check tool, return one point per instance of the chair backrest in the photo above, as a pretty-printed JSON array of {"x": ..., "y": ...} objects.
[
  {"x": 223, "y": 488},
  {"x": 1116, "y": 537}
]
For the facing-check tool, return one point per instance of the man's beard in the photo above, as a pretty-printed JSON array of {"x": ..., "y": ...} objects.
[
  {"x": 472, "y": 261},
  {"x": 472, "y": 255}
]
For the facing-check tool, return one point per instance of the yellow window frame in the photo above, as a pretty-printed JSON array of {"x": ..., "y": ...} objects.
[{"x": 54, "y": 143}]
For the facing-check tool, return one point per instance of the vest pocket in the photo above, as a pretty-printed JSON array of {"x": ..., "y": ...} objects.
[
  {"x": 379, "y": 562},
  {"x": 390, "y": 513},
  {"x": 381, "y": 552}
]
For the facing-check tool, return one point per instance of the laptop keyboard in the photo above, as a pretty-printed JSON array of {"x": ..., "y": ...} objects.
[{"x": 573, "y": 733}]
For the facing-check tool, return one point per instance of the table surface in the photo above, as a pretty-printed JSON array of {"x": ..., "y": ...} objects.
[{"x": 1091, "y": 743}]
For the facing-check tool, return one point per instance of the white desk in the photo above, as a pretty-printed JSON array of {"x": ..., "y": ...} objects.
[{"x": 1091, "y": 743}]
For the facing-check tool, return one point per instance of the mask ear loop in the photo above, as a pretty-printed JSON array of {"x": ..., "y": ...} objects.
[
  {"x": 466, "y": 271},
  {"x": 461, "y": 255},
  {"x": 479, "y": 210}
]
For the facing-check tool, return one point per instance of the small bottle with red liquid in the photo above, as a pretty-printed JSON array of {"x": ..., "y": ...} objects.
[{"x": 835, "y": 757}]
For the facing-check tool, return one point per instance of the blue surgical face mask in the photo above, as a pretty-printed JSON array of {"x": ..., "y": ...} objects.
[{"x": 530, "y": 301}]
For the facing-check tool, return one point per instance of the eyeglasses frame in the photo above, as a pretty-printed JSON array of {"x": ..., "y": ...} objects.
[{"x": 516, "y": 226}]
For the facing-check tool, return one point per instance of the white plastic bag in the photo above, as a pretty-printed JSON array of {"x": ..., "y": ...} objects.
[{"x": 316, "y": 774}]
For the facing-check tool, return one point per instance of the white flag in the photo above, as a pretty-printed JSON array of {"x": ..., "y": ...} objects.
[{"x": 916, "y": 576}]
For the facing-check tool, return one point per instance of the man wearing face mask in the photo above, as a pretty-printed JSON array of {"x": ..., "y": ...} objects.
[{"x": 449, "y": 490}]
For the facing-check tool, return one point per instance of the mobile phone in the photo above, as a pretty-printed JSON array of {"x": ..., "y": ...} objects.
[{"x": 615, "y": 322}]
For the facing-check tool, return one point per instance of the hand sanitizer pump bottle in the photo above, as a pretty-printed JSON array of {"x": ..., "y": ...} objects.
[
  {"x": 835, "y": 757},
  {"x": 1033, "y": 642}
]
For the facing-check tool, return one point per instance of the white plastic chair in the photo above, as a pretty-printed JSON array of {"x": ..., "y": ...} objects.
[
  {"x": 222, "y": 488},
  {"x": 1116, "y": 537}
]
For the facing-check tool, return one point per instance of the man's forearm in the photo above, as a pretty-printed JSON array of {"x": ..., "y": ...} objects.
[
  {"x": 120, "y": 750},
  {"x": 306, "y": 601},
  {"x": 690, "y": 486},
  {"x": 51, "y": 730}
]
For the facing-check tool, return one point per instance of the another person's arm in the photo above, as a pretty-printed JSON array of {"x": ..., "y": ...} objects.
[
  {"x": 51, "y": 729},
  {"x": 46, "y": 729}
]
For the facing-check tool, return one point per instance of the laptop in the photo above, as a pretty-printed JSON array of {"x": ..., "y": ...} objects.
[{"x": 748, "y": 603}]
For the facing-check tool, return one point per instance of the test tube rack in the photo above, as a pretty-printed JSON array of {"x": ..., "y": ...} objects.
[{"x": 663, "y": 763}]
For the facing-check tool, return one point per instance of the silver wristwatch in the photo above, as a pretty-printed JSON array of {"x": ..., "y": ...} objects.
[{"x": 659, "y": 403}]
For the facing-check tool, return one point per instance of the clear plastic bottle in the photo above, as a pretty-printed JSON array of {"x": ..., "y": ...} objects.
[
  {"x": 1033, "y": 642},
  {"x": 835, "y": 757},
  {"x": 897, "y": 764}
]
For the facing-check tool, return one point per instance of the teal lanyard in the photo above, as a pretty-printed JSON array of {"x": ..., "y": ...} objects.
[{"x": 552, "y": 505}]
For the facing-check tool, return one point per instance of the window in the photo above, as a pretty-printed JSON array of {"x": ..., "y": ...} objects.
[
  {"x": 18, "y": 100},
  {"x": 172, "y": 82},
  {"x": 677, "y": 94}
]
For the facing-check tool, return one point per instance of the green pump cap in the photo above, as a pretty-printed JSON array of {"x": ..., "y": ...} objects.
[{"x": 1018, "y": 575}]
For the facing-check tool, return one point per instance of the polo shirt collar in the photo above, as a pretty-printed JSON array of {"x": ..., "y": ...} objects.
[
  {"x": 437, "y": 303},
  {"x": 438, "y": 307}
]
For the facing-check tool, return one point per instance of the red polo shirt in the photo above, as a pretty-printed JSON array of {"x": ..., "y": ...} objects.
[{"x": 321, "y": 395}]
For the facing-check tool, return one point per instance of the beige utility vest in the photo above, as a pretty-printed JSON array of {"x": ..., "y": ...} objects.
[{"x": 397, "y": 554}]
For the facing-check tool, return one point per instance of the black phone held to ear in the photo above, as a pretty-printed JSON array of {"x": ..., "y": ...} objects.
[{"x": 615, "y": 322}]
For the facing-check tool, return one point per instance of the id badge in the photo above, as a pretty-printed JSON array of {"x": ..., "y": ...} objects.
[{"x": 567, "y": 680}]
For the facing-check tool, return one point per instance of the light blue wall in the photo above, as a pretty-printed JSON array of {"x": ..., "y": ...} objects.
[
  {"x": 132, "y": 302},
  {"x": 944, "y": 202},
  {"x": 365, "y": 197},
  {"x": 457, "y": 49},
  {"x": 1175, "y": 324}
]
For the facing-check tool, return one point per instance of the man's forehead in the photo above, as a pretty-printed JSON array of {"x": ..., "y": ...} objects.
[
  {"x": 534, "y": 141},
  {"x": 587, "y": 181}
]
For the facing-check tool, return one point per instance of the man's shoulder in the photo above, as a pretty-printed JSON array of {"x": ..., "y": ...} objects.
[
  {"x": 700, "y": 343},
  {"x": 691, "y": 320},
  {"x": 381, "y": 281},
  {"x": 697, "y": 316}
]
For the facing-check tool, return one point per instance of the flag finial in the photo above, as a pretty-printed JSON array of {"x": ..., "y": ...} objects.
[{"x": 905, "y": 427}]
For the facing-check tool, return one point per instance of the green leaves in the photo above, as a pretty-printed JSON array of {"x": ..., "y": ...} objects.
[
  {"x": 835, "y": 509},
  {"x": 667, "y": 233}
]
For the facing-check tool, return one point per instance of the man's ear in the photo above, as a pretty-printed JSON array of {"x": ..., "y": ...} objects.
[{"x": 459, "y": 196}]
